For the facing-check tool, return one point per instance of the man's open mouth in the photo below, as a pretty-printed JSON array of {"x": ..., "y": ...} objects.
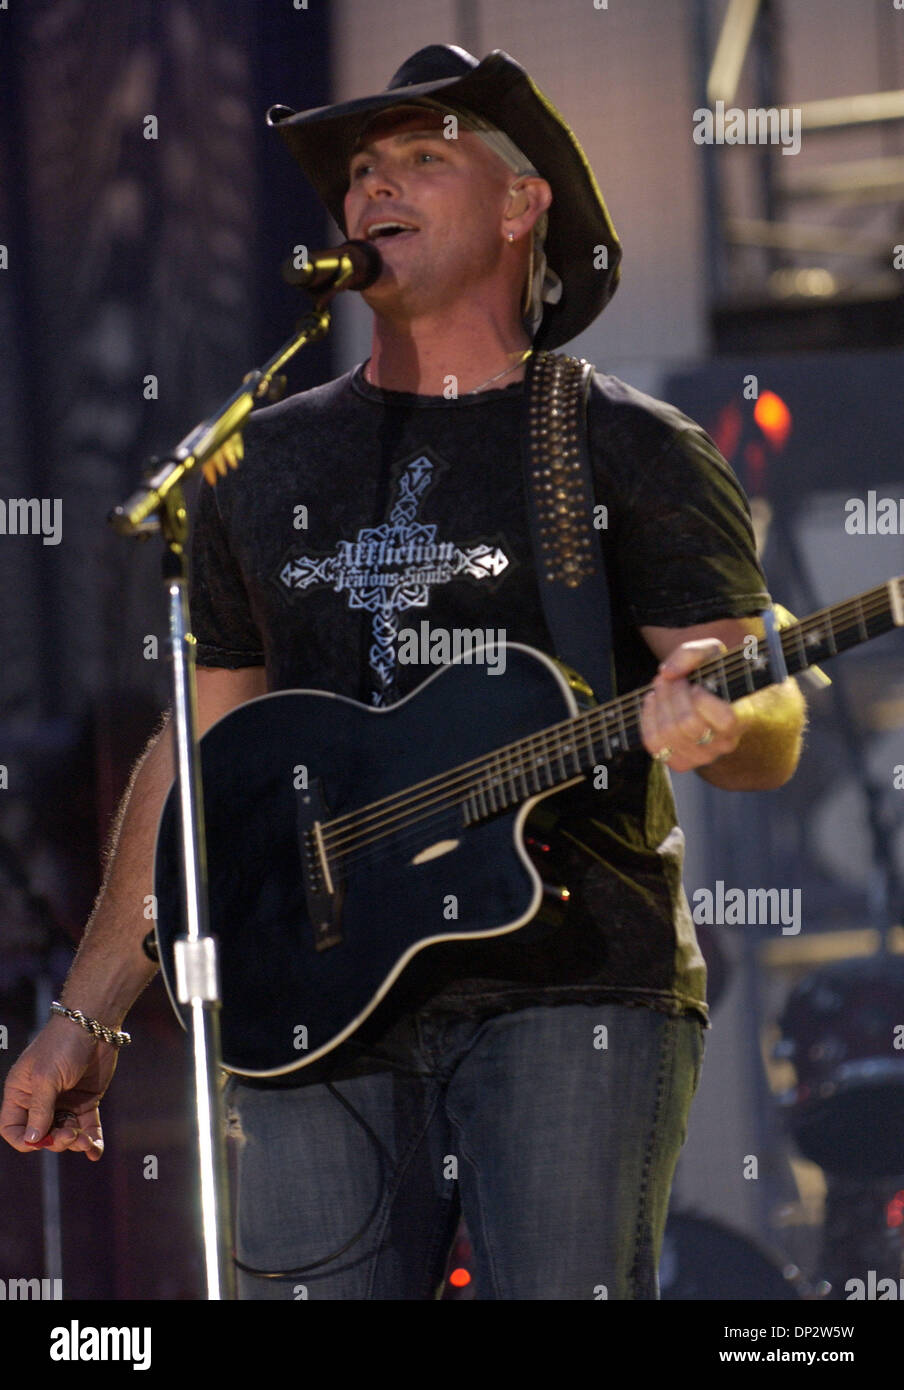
[{"x": 384, "y": 231}]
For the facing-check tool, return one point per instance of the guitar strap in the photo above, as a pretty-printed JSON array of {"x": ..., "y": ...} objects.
[{"x": 568, "y": 553}]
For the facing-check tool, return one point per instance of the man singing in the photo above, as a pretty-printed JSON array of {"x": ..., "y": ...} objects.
[{"x": 537, "y": 1082}]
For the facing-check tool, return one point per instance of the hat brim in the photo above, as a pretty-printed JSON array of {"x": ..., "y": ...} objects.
[{"x": 323, "y": 140}]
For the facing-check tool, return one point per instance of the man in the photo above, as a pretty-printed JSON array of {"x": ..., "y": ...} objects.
[{"x": 540, "y": 1081}]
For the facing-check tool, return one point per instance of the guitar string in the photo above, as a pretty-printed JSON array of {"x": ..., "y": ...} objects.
[
  {"x": 495, "y": 764},
  {"x": 486, "y": 797},
  {"x": 444, "y": 822},
  {"x": 409, "y": 829},
  {"x": 510, "y": 756},
  {"x": 502, "y": 765},
  {"x": 508, "y": 767},
  {"x": 740, "y": 662}
]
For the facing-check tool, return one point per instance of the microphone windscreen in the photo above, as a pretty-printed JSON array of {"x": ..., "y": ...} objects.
[
  {"x": 367, "y": 261},
  {"x": 366, "y": 266}
]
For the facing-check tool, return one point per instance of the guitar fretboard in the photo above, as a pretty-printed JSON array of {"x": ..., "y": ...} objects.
[{"x": 557, "y": 755}]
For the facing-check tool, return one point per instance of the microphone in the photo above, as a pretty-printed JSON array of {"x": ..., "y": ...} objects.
[{"x": 324, "y": 267}]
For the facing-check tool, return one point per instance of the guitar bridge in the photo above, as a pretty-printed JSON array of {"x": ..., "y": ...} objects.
[{"x": 322, "y": 894}]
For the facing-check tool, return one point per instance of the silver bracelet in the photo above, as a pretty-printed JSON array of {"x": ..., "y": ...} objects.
[{"x": 91, "y": 1025}]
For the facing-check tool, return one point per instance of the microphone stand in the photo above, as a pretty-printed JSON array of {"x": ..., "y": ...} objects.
[{"x": 160, "y": 506}]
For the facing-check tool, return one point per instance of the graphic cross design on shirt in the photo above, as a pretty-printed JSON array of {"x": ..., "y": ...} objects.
[{"x": 392, "y": 567}]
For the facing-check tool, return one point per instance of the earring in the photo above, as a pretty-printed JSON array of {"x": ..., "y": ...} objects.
[{"x": 511, "y": 236}]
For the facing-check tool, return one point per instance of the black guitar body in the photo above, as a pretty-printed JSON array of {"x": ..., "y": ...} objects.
[
  {"x": 341, "y": 840},
  {"x": 302, "y": 966}
]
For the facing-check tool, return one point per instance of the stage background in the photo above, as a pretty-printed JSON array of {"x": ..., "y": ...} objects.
[{"x": 143, "y": 281}]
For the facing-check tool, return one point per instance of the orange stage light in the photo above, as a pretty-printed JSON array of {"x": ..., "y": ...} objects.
[{"x": 773, "y": 418}]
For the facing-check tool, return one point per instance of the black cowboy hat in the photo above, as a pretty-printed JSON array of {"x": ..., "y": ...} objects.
[{"x": 323, "y": 140}]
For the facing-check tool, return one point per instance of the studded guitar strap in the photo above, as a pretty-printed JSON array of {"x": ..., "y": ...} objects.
[{"x": 568, "y": 552}]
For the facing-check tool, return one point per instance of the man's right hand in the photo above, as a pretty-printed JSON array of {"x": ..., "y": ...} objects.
[
  {"x": 66, "y": 1068},
  {"x": 63, "y": 1069}
]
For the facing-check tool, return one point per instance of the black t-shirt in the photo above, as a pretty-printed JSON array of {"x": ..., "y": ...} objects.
[{"x": 359, "y": 513}]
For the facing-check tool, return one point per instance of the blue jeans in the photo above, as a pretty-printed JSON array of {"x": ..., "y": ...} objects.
[{"x": 554, "y": 1130}]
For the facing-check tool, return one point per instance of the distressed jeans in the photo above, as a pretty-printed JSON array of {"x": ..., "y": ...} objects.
[{"x": 553, "y": 1130}]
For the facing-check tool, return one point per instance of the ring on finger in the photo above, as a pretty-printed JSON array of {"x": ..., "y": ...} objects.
[
  {"x": 664, "y": 754},
  {"x": 61, "y": 1116},
  {"x": 706, "y": 737}
]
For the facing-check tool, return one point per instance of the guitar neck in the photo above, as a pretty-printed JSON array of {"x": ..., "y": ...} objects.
[{"x": 578, "y": 745}]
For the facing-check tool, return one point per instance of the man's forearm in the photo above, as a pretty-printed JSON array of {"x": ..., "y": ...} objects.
[
  {"x": 111, "y": 969},
  {"x": 773, "y": 722}
]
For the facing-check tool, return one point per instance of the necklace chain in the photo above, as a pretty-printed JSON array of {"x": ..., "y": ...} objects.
[
  {"x": 490, "y": 379},
  {"x": 505, "y": 372}
]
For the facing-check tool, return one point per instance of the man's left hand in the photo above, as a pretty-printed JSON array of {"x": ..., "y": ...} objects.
[{"x": 685, "y": 725}]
